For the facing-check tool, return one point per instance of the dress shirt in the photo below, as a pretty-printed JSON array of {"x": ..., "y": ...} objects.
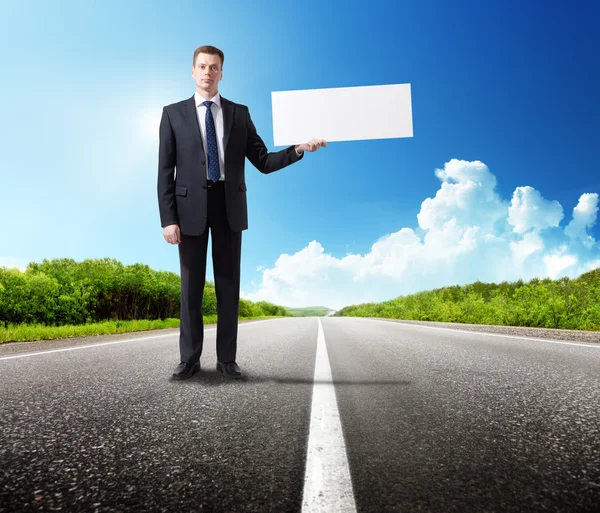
[{"x": 217, "y": 114}]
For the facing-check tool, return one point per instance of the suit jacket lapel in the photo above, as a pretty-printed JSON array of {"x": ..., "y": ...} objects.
[
  {"x": 192, "y": 118},
  {"x": 228, "y": 108}
]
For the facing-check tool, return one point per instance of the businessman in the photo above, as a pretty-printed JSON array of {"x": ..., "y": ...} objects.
[{"x": 207, "y": 138}]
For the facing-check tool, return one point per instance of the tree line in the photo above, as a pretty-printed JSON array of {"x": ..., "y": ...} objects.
[
  {"x": 564, "y": 303},
  {"x": 65, "y": 292}
]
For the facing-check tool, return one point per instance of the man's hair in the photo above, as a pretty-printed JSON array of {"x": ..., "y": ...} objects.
[{"x": 211, "y": 50}]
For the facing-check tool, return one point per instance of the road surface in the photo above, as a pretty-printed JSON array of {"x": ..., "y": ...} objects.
[{"x": 334, "y": 415}]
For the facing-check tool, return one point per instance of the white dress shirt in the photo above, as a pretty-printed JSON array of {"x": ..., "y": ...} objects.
[{"x": 217, "y": 114}]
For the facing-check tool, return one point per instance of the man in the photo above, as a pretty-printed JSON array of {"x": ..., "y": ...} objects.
[{"x": 207, "y": 139}]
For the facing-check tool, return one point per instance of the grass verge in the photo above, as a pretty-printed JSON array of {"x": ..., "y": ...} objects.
[{"x": 30, "y": 332}]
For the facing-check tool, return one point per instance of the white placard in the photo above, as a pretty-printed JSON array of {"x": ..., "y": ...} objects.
[{"x": 342, "y": 114}]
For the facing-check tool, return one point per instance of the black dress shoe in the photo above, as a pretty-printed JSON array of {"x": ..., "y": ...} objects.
[
  {"x": 185, "y": 370},
  {"x": 230, "y": 369}
]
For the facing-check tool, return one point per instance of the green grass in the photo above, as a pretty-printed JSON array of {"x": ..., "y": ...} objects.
[{"x": 25, "y": 333}]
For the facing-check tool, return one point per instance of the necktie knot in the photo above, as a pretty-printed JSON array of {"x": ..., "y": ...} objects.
[{"x": 207, "y": 104}]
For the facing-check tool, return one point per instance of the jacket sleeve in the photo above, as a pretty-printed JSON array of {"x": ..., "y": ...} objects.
[
  {"x": 166, "y": 172},
  {"x": 259, "y": 155}
]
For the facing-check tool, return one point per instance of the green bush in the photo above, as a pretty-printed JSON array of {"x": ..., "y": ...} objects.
[
  {"x": 64, "y": 292},
  {"x": 546, "y": 303}
]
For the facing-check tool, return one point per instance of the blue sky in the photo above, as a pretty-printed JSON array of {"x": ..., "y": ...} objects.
[{"x": 499, "y": 181}]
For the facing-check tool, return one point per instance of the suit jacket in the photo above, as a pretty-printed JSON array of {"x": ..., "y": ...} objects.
[{"x": 182, "y": 199}]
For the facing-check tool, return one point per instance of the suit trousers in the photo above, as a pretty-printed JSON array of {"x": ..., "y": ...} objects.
[{"x": 226, "y": 253}]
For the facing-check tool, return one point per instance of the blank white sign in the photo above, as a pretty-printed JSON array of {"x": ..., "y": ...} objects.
[{"x": 342, "y": 114}]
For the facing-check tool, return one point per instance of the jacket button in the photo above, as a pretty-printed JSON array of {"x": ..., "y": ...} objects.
[{"x": 203, "y": 162}]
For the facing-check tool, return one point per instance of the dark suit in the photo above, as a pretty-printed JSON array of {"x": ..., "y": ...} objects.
[{"x": 188, "y": 201}]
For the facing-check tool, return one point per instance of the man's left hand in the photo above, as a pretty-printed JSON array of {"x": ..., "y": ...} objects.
[{"x": 312, "y": 145}]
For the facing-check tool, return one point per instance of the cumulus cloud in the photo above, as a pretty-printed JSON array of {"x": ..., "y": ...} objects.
[
  {"x": 466, "y": 232},
  {"x": 584, "y": 216},
  {"x": 467, "y": 196},
  {"x": 558, "y": 261},
  {"x": 529, "y": 210},
  {"x": 521, "y": 249}
]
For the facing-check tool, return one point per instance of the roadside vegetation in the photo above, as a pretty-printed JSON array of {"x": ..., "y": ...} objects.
[
  {"x": 63, "y": 298},
  {"x": 564, "y": 303}
]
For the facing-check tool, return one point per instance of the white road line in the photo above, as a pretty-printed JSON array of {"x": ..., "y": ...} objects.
[
  {"x": 36, "y": 353},
  {"x": 473, "y": 332},
  {"x": 83, "y": 347},
  {"x": 327, "y": 482}
]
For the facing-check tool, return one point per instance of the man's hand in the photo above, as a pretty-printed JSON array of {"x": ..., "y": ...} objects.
[
  {"x": 172, "y": 234},
  {"x": 312, "y": 145}
]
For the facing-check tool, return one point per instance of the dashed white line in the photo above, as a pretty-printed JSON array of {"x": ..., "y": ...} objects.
[{"x": 327, "y": 482}]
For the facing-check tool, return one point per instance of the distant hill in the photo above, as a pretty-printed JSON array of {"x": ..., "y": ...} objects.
[{"x": 309, "y": 311}]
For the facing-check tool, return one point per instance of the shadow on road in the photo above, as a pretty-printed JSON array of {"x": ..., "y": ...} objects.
[{"x": 214, "y": 378}]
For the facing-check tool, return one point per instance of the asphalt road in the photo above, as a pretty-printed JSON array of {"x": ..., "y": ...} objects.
[{"x": 433, "y": 420}]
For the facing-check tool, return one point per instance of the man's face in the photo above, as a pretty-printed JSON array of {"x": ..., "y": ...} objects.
[{"x": 207, "y": 79}]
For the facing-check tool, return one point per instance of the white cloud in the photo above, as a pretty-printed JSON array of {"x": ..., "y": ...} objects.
[
  {"x": 590, "y": 265},
  {"x": 558, "y": 261},
  {"x": 584, "y": 216},
  {"x": 466, "y": 195},
  {"x": 469, "y": 234},
  {"x": 521, "y": 249},
  {"x": 528, "y": 209}
]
